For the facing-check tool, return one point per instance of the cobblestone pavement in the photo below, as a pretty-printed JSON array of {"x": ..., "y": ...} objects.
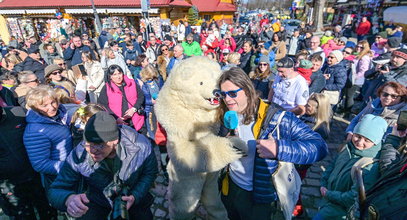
[{"x": 310, "y": 189}]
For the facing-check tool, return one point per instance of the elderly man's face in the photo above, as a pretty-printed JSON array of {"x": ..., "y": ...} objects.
[
  {"x": 99, "y": 152},
  {"x": 315, "y": 43},
  {"x": 178, "y": 52}
]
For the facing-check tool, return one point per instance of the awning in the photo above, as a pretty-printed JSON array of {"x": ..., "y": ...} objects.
[
  {"x": 41, "y": 11},
  {"x": 84, "y": 11},
  {"x": 12, "y": 12},
  {"x": 130, "y": 10}
]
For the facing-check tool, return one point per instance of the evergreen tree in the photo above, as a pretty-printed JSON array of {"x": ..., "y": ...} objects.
[{"x": 193, "y": 16}]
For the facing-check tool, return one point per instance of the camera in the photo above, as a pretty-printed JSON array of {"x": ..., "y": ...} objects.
[{"x": 385, "y": 67}]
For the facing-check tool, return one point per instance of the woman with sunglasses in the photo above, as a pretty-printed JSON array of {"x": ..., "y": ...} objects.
[
  {"x": 163, "y": 60},
  {"x": 53, "y": 75},
  {"x": 28, "y": 80},
  {"x": 362, "y": 63},
  {"x": 251, "y": 195},
  {"x": 262, "y": 77},
  {"x": 392, "y": 99}
]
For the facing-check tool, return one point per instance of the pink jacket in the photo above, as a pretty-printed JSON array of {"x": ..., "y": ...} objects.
[{"x": 114, "y": 96}]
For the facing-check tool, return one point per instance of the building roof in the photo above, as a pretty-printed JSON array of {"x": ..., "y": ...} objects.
[
  {"x": 77, "y": 3},
  {"x": 213, "y": 6},
  {"x": 180, "y": 3}
]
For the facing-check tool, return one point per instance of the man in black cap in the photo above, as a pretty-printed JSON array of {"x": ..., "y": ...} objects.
[
  {"x": 118, "y": 166},
  {"x": 290, "y": 89},
  {"x": 20, "y": 185}
]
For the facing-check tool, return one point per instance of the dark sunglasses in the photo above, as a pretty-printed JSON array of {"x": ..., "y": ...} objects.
[
  {"x": 346, "y": 52},
  {"x": 164, "y": 49},
  {"x": 221, "y": 94},
  {"x": 331, "y": 57},
  {"x": 35, "y": 80},
  {"x": 56, "y": 72},
  {"x": 359, "y": 47},
  {"x": 61, "y": 64},
  {"x": 393, "y": 96},
  {"x": 263, "y": 64}
]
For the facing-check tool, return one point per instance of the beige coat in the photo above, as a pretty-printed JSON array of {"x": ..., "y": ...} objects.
[
  {"x": 162, "y": 65},
  {"x": 95, "y": 75}
]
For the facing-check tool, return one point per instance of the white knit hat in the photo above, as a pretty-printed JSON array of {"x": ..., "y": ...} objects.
[{"x": 338, "y": 54}]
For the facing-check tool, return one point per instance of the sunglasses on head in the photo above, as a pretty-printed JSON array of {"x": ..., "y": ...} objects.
[
  {"x": 393, "y": 96},
  {"x": 222, "y": 94}
]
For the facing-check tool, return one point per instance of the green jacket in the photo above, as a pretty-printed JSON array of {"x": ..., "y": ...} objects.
[
  {"x": 193, "y": 49},
  {"x": 342, "y": 191}
]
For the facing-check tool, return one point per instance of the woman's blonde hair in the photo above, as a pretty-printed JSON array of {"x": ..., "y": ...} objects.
[
  {"x": 85, "y": 112},
  {"x": 65, "y": 92},
  {"x": 322, "y": 109},
  {"x": 366, "y": 49},
  {"x": 12, "y": 58},
  {"x": 37, "y": 95},
  {"x": 234, "y": 58},
  {"x": 148, "y": 73}
]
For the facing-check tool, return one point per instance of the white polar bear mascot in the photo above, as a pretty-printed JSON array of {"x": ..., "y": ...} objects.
[{"x": 186, "y": 108}]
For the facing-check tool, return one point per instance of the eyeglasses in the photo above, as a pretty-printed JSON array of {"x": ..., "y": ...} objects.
[
  {"x": 56, "y": 72},
  {"x": 347, "y": 52},
  {"x": 393, "y": 96},
  {"x": 94, "y": 146},
  {"x": 221, "y": 94},
  {"x": 34, "y": 80},
  {"x": 263, "y": 64},
  {"x": 359, "y": 47},
  {"x": 61, "y": 64},
  {"x": 331, "y": 57},
  {"x": 165, "y": 49}
]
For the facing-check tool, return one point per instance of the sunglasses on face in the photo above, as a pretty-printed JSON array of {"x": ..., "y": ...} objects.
[
  {"x": 393, "y": 96},
  {"x": 34, "y": 80},
  {"x": 359, "y": 47},
  {"x": 230, "y": 93},
  {"x": 263, "y": 64},
  {"x": 347, "y": 52},
  {"x": 164, "y": 49},
  {"x": 61, "y": 64},
  {"x": 331, "y": 57},
  {"x": 55, "y": 73}
]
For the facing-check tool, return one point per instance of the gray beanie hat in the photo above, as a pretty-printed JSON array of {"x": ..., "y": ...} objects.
[{"x": 101, "y": 128}]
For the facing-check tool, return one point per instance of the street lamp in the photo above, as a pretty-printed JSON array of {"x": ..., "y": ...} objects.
[{"x": 97, "y": 20}]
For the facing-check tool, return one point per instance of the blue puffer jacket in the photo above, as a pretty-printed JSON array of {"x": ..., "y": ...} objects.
[
  {"x": 298, "y": 144},
  {"x": 138, "y": 170},
  {"x": 48, "y": 141},
  {"x": 338, "y": 77}
]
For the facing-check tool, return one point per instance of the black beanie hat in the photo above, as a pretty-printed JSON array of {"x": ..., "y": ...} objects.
[{"x": 101, "y": 128}]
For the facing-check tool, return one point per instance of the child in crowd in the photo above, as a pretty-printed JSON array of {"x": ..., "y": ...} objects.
[
  {"x": 304, "y": 69},
  {"x": 79, "y": 119}
]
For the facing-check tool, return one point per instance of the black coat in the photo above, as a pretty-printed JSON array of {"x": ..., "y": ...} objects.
[
  {"x": 15, "y": 165},
  {"x": 35, "y": 66}
]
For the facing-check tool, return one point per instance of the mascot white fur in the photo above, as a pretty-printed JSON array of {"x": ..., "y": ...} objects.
[{"x": 186, "y": 108}]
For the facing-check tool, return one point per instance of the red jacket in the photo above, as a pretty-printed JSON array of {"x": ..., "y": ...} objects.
[{"x": 363, "y": 28}]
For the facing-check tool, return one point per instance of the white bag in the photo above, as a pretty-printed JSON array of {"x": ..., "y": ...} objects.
[{"x": 287, "y": 182}]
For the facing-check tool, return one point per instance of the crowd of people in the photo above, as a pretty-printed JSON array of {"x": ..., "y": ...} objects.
[{"x": 77, "y": 115}]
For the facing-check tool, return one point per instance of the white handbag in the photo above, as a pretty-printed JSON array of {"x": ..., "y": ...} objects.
[{"x": 287, "y": 181}]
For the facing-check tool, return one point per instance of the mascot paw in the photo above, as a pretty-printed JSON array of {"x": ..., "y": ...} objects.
[{"x": 239, "y": 145}]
